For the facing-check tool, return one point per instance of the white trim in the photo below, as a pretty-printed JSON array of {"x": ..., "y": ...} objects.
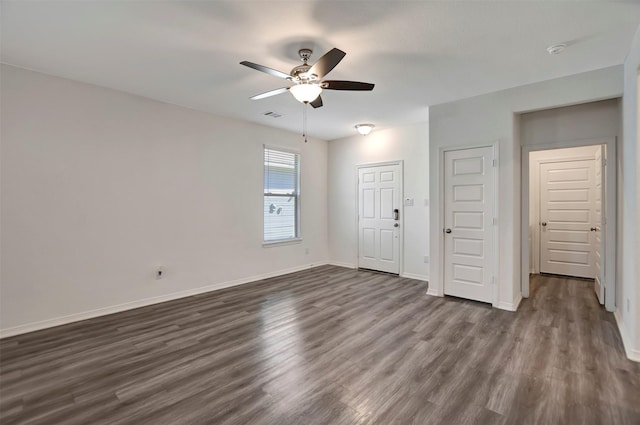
[
  {"x": 496, "y": 226},
  {"x": 400, "y": 163},
  {"x": 423, "y": 277},
  {"x": 63, "y": 320},
  {"x": 535, "y": 195},
  {"x": 511, "y": 306},
  {"x": 611, "y": 209},
  {"x": 438, "y": 285},
  {"x": 380, "y": 164},
  {"x": 282, "y": 242},
  {"x": 534, "y": 181},
  {"x": 341, "y": 264},
  {"x": 433, "y": 292},
  {"x": 297, "y": 195},
  {"x": 287, "y": 149},
  {"x": 626, "y": 343}
]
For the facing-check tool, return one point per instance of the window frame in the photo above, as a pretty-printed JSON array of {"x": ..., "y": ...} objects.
[{"x": 296, "y": 194}]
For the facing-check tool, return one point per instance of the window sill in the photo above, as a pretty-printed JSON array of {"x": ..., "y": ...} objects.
[{"x": 282, "y": 242}]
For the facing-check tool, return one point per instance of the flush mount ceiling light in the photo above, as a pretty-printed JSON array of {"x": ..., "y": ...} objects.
[
  {"x": 364, "y": 129},
  {"x": 306, "y": 92},
  {"x": 556, "y": 48}
]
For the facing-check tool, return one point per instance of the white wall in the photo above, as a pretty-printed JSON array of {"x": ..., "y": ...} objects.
[
  {"x": 593, "y": 120},
  {"x": 410, "y": 144},
  {"x": 628, "y": 314},
  {"x": 492, "y": 117},
  {"x": 99, "y": 187}
]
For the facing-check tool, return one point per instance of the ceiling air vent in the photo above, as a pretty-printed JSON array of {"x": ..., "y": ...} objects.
[{"x": 273, "y": 114}]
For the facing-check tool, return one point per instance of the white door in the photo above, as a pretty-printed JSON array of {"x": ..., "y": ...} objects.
[
  {"x": 379, "y": 196},
  {"x": 468, "y": 234},
  {"x": 598, "y": 247},
  {"x": 567, "y": 215}
]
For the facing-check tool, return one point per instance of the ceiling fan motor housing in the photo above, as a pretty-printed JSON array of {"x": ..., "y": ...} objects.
[{"x": 299, "y": 72}]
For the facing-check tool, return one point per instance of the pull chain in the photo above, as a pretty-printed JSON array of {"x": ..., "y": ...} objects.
[{"x": 304, "y": 122}]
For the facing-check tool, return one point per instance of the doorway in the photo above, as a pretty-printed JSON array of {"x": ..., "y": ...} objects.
[
  {"x": 568, "y": 200},
  {"x": 380, "y": 217},
  {"x": 565, "y": 211}
]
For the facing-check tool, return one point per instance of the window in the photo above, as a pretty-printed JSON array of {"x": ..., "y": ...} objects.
[{"x": 281, "y": 195}]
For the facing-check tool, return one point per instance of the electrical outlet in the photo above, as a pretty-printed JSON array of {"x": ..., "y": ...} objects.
[
  {"x": 159, "y": 273},
  {"x": 306, "y": 251},
  {"x": 426, "y": 259},
  {"x": 628, "y": 305}
]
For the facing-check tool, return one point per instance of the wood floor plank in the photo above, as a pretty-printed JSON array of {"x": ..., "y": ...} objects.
[{"x": 329, "y": 345}]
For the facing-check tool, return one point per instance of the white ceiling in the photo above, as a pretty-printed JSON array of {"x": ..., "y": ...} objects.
[{"x": 417, "y": 53}]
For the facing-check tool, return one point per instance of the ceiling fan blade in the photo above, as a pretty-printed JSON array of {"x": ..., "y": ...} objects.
[
  {"x": 270, "y": 93},
  {"x": 266, "y": 69},
  {"x": 317, "y": 102},
  {"x": 327, "y": 62},
  {"x": 346, "y": 85}
]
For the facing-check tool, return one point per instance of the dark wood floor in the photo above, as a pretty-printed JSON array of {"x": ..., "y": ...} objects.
[{"x": 329, "y": 346}]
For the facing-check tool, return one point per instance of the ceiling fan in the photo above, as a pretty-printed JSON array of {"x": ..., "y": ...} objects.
[{"x": 307, "y": 79}]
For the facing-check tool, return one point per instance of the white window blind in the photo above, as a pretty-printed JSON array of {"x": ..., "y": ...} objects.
[{"x": 281, "y": 195}]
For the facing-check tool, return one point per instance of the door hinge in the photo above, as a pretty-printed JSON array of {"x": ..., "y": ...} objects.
[
  {"x": 604, "y": 162},
  {"x": 493, "y": 280},
  {"x": 494, "y": 162},
  {"x": 495, "y": 221}
]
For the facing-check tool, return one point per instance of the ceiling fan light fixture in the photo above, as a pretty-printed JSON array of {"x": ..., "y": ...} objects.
[
  {"x": 364, "y": 129},
  {"x": 305, "y": 92}
]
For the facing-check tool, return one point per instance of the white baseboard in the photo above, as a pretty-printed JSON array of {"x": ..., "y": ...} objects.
[
  {"x": 513, "y": 306},
  {"x": 76, "y": 317},
  {"x": 341, "y": 264},
  {"x": 632, "y": 354},
  {"x": 423, "y": 277},
  {"x": 433, "y": 292}
]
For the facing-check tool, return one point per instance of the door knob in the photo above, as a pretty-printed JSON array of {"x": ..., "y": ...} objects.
[
  {"x": 396, "y": 225},
  {"x": 544, "y": 224},
  {"x": 593, "y": 229},
  {"x": 448, "y": 231}
]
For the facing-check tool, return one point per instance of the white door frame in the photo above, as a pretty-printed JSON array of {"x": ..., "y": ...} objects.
[
  {"x": 438, "y": 286},
  {"x": 535, "y": 236},
  {"x": 400, "y": 163},
  {"x": 611, "y": 212}
]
